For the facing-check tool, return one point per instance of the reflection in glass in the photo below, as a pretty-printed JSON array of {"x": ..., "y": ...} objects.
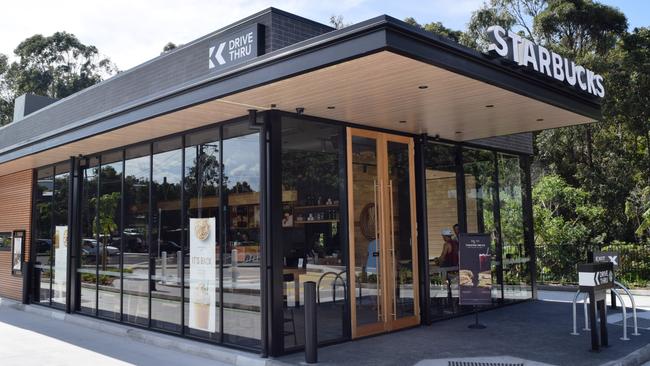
[
  {"x": 442, "y": 218},
  {"x": 241, "y": 256},
  {"x": 311, "y": 227},
  {"x": 479, "y": 167},
  {"x": 109, "y": 228},
  {"x": 89, "y": 255},
  {"x": 399, "y": 215},
  {"x": 365, "y": 184},
  {"x": 166, "y": 235},
  {"x": 135, "y": 236},
  {"x": 43, "y": 232},
  {"x": 60, "y": 221},
  {"x": 516, "y": 269},
  {"x": 202, "y": 176}
]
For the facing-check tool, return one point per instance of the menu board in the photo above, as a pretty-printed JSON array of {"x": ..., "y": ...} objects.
[
  {"x": 475, "y": 273},
  {"x": 203, "y": 274}
]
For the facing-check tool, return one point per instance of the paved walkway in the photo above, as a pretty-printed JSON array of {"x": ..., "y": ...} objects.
[
  {"x": 537, "y": 331},
  {"x": 28, "y": 339}
]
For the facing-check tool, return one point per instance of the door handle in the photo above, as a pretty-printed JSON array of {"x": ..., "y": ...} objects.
[
  {"x": 392, "y": 245},
  {"x": 377, "y": 190}
]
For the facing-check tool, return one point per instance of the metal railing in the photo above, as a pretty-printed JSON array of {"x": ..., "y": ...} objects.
[{"x": 556, "y": 263}]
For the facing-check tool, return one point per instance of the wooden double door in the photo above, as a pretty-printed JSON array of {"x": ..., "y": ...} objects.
[{"x": 383, "y": 250}]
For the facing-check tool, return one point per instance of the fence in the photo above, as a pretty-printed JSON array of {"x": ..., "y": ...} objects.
[{"x": 556, "y": 263}]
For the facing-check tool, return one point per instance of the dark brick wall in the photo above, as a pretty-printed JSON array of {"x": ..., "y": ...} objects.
[
  {"x": 520, "y": 142},
  {"x": 287, "y": 29},
  {"x": 154, "y": 78}
]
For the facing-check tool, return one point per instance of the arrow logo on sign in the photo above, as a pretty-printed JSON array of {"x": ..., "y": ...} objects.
[{"x": 217, "y": 57}]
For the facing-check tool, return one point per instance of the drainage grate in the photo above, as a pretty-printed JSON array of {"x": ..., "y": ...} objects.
[{"x": 481, "y": 363}]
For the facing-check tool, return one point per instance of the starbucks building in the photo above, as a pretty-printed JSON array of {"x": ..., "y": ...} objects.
[{"x": 197, "y": 193}]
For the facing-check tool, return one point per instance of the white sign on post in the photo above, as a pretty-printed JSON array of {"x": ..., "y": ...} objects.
[
  {"x": 203, "y": 274},
  {"x": 60, "y": 260}
]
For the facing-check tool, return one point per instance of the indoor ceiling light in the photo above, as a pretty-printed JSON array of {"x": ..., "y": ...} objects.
[
  {"x": 489, "y": 106},
  {"x": 539, "y": 119},
  {"x": 330, "y": 107},
  {"x": 402, "y": 121},
  {"x": 423, "y": 86}
]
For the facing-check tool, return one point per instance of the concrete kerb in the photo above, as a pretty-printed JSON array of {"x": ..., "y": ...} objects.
[
  {"x": 213, "y": 352},
  {"x": 636, "y": 358}
]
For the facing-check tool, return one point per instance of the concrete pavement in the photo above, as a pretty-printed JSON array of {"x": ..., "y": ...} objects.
[{"x": 29, "y": 339}]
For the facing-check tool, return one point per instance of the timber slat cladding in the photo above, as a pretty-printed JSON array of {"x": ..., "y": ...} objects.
[{"x": 15, "y": 214}]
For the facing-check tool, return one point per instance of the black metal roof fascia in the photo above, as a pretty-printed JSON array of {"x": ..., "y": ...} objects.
[{"x": 373, "y": 35}]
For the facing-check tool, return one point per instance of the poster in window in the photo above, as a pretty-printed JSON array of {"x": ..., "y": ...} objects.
[
  {"x": 17, "y": 252},
  {"x": 60, "y": 260},
  {"x": 475, "y": 269},
  {"x": 203, "y": 274}
]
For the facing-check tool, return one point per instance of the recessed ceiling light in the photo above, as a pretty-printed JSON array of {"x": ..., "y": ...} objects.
[
  {"x": 458, "y": 132},
  {"x": 402, "y": 121},
  {"x": 330, "y": 107},
  {"x": 423, "y": 86},
  {"x": 274, "y": 105},
  {"x": 539, "y": 119},
  {"x": 489, "y": 106}
]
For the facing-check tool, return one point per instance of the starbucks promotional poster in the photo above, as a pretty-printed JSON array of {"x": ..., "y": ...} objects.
[
  {"x": 203, "y": 274},
  {"x": 60, "y": 260},
  {"x": 475, "y": 269}
]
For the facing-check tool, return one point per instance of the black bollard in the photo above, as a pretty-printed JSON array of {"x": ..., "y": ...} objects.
[
  {"x": 28, "y": 269},
  {"x": 311, "y": 325}
]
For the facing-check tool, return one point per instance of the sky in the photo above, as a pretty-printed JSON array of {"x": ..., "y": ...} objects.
[{"x": 132, "y": 32}]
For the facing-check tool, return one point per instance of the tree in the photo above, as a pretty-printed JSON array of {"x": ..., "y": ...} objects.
[
  {"x": 6, "y": 96},
  {"x": 437, "y": 28},
  {"x": 567, "y": 225},
  {"x": 169, "y": 46},
  {"x": 55, "y": 66},
  {"x": 337, "y": 21},
  {"x": 578, "y": 27}
]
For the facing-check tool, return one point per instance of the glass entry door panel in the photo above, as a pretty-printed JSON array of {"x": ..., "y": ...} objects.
[
  {"x": 382, "y": 232},
  {"x": 401, "y": 229}
]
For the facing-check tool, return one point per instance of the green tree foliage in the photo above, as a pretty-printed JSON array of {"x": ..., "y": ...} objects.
[
  {"x": 576, "y": 28},
  {"x": 56, "y": 66},
  {"x": 514, "y": 15},
  {"x": 567, "y": 225},
  {"x": 437, "y": 28}
]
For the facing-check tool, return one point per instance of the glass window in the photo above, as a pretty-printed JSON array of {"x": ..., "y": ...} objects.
[
  {"x": 166, "y": 234},
  {"x": 43, "y": 232},
  {"x": 60, "y": 220},
  {"x": 241, "y": 256},
  {"x": 135, "y": 236},
  {"x": 442, "y": 228},
  {"x": 480, "y": 168},
  {"x": 110, "y": 238},
  {"x": 5, "y": 241},
  {"x": 88, "y": 248},
  {"x": 311, "y": 227},
  {"x": 202, "y": 177},
  {"x": 516, "y": 263}
]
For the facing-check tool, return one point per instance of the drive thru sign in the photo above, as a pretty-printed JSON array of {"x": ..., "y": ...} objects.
[{"x": 234, "y": 48}]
